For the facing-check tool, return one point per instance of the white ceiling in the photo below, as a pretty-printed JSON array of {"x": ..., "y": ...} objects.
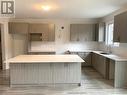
[{"x": 67, "y": 8}]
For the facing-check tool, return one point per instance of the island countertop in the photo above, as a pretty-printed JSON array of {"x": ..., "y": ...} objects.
[{"x": 45, "y": 58}]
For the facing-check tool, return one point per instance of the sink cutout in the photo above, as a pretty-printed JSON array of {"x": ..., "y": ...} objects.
[{"x": 105, "y": 53}]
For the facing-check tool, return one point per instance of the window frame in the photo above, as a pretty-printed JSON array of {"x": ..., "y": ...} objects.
[{"x": 107, "y": 33}]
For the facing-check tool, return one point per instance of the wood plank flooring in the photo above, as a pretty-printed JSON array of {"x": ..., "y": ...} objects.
[{"x": 92, "y": 84}]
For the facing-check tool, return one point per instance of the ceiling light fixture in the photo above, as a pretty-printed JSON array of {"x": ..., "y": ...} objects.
[{"x": 46, "y": 8}]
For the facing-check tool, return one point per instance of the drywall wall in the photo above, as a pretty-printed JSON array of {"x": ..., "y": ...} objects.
[{"x": 7, "y": 43}]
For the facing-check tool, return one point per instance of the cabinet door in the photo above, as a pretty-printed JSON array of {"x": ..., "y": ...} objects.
[
  {"x": 120, "y": 28},
  {"x": 18, "y": 28},
  {"x": 87, "y": 58},
  {"x": 19, "y": 75},
  {"x": 51, "y": 32},
  {"x": 74, "y": 34},
  {"x": 117, "y": 25},
  {"x": 86, "y": 32},
  {"x": 66, "y": 72},
  {"x": 82, "y": 32},
  {"x": 47, "y": 31},
  {"x": 123, "y": 28},
  {"x": 45, "y": 73},
  {"x": 102, "y": 65},
  {"x": 59, "y": 72},
  {"x": 94, "y": 60},
  {"x": 73, "y": 73},
  {"x": 38, "y": 28}
]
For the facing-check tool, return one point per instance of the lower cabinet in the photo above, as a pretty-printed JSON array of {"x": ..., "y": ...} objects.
[
  {"x": 86, "y": 56},
  {"x": 99, "y": 63},
  {"x": 66, "y": 73},
  {"x": 44, "y": 73}
]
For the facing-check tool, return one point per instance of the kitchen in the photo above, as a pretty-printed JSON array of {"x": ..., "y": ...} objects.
[{"x": 103, "y": 61}]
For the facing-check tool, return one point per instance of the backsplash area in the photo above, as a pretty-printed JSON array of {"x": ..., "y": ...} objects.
[
  {"x": 62, "y": 47},
  {"x": 119, "y": 50}
]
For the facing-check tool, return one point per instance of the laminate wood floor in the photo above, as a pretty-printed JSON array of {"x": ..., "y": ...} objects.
[{"x": 92, "y": 84}]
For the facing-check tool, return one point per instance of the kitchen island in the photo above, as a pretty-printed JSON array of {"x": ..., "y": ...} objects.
[{"x": 45, "y": 69}]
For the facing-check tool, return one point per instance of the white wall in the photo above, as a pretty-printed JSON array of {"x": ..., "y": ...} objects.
[{"x": 7, "y": 43}]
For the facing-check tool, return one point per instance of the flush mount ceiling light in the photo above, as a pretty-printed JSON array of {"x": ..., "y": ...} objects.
[{"x": 46, "y": 8}]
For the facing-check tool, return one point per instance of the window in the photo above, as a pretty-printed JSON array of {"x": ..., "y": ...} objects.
[{"x": 109, "y": 33}]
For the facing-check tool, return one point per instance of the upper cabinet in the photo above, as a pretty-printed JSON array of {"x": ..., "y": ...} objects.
[
  {"x": 82, "y": 32},
  {"x": 18, "y": 28},
  {"x": 120, "y": 28},
  {"x": 42, "y": 32}
]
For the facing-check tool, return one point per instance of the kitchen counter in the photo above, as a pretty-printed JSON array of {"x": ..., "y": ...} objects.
[
  {"x": 45, "y": 58},
  {"x": 111, "y": 56},
  {"x": 80, "y": 51}
]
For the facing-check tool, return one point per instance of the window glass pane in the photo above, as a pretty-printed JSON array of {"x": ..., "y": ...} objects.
[{"x": 109, "y": 34}]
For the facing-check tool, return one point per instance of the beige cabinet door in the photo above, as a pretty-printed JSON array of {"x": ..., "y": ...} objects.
[
  {"x": 82, "y": 32},
  {"x": 38, "y": 28},
  {"x": 47, "y": 31},
  {"x": 45, "y": 73},
  {"x": 86, "y": 56},
  {"x": 18, "y": 28},
  {"x": 117, "y": 25},
  {"x": 120, "y": 28},
  {"x": 102, "y": 65},
  {"x": 99, "y": 63},
  {"x": 74, "y": 34},
  {"x": 123, "y": 28},
  {"x": 95, "y": 61},
  {"x": 51, "y": 32}
]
